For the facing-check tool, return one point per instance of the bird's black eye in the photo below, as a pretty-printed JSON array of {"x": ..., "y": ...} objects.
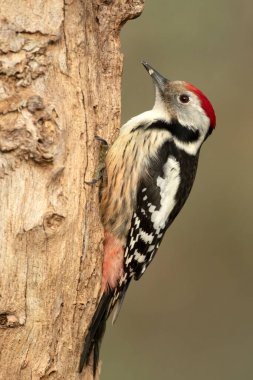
[{"x": 184, "y": 98}]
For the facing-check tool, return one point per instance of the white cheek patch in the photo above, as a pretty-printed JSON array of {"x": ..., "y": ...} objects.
[
  {"x": 192, "y": 116},
  {"x": 168, "y": 190}
]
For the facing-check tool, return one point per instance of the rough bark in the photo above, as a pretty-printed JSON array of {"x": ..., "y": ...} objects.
[{"x": 60, "y": 76}]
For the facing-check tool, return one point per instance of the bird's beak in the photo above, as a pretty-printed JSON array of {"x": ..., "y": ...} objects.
[{"x": 159, "y": 80}]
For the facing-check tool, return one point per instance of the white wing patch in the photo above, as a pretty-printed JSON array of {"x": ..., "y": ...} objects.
[
  {"x": 147, "y": 238},
  {"x": 139, "y": 257},
  {"x": 168, "y": 189}
]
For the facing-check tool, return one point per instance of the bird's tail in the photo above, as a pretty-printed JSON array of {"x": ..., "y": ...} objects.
[{"x": 96, "y": 331}]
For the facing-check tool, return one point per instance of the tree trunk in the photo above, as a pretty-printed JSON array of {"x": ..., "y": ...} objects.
[{"x": 60, "y": 76}]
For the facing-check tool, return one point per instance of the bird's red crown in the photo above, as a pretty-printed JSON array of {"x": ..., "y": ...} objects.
[{"x": 205, "y": 102}]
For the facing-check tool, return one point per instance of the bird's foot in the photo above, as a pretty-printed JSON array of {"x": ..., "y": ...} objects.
[{"x": 104, "y": 146}]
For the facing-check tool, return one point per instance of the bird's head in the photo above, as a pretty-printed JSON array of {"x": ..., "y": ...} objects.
[{"x": 181, "y": 102}]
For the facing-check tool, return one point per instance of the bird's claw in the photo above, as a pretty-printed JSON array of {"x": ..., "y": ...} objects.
[
  {"x": 101, "y": 164},
  {"x": 102, "y": 141}
]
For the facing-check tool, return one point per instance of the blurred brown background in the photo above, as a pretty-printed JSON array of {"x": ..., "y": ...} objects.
[{"x": 190, "y": 317}]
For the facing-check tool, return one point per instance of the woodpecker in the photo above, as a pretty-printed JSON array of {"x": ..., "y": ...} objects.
[{"x": 150, "y": 169}]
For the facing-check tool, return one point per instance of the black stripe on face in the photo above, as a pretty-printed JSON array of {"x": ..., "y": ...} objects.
[{"x": 182, "y": 133}]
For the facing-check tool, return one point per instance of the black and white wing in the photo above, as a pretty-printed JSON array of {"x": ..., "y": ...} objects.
[
  {"x": 156, "y": 201},
  {"x": 162, "y": 191}
]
